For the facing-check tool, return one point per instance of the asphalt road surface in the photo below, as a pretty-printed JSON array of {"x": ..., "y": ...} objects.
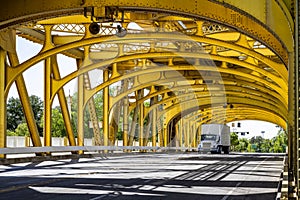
[{"x": 145, "y": 176}]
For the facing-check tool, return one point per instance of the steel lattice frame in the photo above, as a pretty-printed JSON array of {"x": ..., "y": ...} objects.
[{"x": 193, "y": 65}]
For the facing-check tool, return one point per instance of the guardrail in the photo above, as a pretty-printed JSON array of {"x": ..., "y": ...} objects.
[
  {"x": 25, "y": 150},
  {"x": 26, "y": 154}
]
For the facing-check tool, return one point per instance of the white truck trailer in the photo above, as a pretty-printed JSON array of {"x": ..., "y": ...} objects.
[{"x": 215, "y": 138}]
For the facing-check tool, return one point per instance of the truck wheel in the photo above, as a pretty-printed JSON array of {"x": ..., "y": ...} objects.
[
  {"x": 226, "y": 150},
  {"x": 219, "y": 150}
]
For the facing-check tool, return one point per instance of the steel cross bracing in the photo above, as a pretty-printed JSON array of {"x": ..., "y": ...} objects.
[
  {"x": 194, "y": 60},
  {"x": 169, "y": 67}
]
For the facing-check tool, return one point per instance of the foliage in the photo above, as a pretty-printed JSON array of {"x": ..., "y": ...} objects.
[
  {"x": 15, "y": 115},
  {"x": 22, "y": 130},
  {"x": 58, "y": 124},
  {"x": 37, "y": 108},
  {"x": 243, "y": 145},
  {"x": 10, "y": 133},
  {"x": 234, "y": 140},
  {"x": 277, "y": 144}
]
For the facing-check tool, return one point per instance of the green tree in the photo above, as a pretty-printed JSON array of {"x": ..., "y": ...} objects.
[
  {"x": 22, "y": 130},
  {"x": 10, "y": 133},
  {"x": 279, "y": 143},
  {"x": 266, "y": 146},
  {"x": 234, "y": 140},
  {"x": 37, "y": 108},
  {"x": 256, "y": 143},
  {"x": 243, "y": 145},
  {"x": 15, "y": 114},
  {"x": 58, "y": 124}
]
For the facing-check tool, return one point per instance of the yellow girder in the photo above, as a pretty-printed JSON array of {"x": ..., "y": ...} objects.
[
  {"x": 22, "y": 67},
  {"x": 249, "y": 51},
  {"x": 256, "y": 23}
]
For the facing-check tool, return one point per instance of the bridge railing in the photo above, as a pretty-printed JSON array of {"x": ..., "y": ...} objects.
[{"x": 61, "y": 149}]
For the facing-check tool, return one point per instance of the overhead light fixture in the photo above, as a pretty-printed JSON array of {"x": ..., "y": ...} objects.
[
  {"x": 94, "y": 28},
  {"x": 121, "y": 32}
]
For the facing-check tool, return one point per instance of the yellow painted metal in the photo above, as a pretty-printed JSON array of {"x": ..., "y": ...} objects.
[
  {"x": 154, "y": 121},
  {"x": 292, "y": 121},
  {"x": 141, "y": 119},
  {"x": 93, "y": 114},
  {"x": 24, "y": 98},
  {"x": 206, "y": 102},
  {"x": 279, "y": 68},
  {"x": 47, "y": 102},
  {"x": 105, "y": 109},
  {"x": 15, "y": 13},
  {"x": 63, "y": 105},
  {"x": 125, "y": 116},
  {"x": 265, "y": 95},
  {"x": 47, "y": 88},
  {"x": 80, "y": 108},
  {"x": 2, "y": 101},
  {"x": 258, "y": 83},
  {"x": 202, "y": 68}
]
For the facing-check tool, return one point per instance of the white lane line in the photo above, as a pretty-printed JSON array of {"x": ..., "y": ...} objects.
[
  {"x": 99, "y": 197},
  {"x": 231, "y": 191},
  {"x": 239, "y": 183}
]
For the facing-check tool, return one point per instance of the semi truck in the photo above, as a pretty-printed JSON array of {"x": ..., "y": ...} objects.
[{"x": 215, "y": 138}]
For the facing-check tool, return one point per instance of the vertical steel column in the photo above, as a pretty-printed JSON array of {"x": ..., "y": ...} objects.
[
  {"x": 47, "y": 87},
  {"x": 184, "y": 126},
  {"x": 154, "y": 121},
  {"x": 63, "y": 104},
  {"x": 294, "y": 58},
  {"x": 141, "y": 118},
  {"x": 80, "y": 109},
  {"x": 165, "y": 135},
  {"x": 194, "y": 135},
  {"x": 176, "y": 136},
  {"x": 160, "y": 132},
  {"x": 188, "y": 134},
  {"x": 105, "y": 109},
  {"x": 133, "y": 126},
  {"x": 2, "y": 101},
  {"x": 47, "y": 102},
  {"x": 24, "y": 98},
  {"x": 125, "y": 115},
  {"x": 180, "y": 132}
]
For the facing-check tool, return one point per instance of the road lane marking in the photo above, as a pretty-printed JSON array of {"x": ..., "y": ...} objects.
[{"x": 231, "y": 191}]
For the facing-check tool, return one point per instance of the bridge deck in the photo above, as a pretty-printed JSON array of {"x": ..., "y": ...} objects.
[{"x": 145, "y": 176}]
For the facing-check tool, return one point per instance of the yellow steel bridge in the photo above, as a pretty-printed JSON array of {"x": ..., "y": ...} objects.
[{"x": 175, "y": 65}]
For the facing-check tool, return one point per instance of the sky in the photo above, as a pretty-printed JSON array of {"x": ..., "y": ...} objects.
[{"x": 34, "y": 82}]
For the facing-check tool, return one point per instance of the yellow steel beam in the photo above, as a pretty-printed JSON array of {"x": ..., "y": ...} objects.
[
  {"x": 258, "y": 26},
  {"x": 105, "y": 109},
  {"x": 47, "y": 88},
  {"x": 13, "y": 73},
  {"x": 47, "y": 102},
  {"x": 264, "y": 94},
  {"x": 242, "y": 86},
  {"x": 125, "y": 116},
  {"x": 2, "y": 101},
  {"x": 24, "y": 98},
  {"x": 63, "y": 104},
  {"x": 280, "y": 69},
  {"x": 141, "y": 119},
  {"x": 207, "y": 102},
  {"x": 178, "y": 68},
  {"x": 80, "y": 108}
]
